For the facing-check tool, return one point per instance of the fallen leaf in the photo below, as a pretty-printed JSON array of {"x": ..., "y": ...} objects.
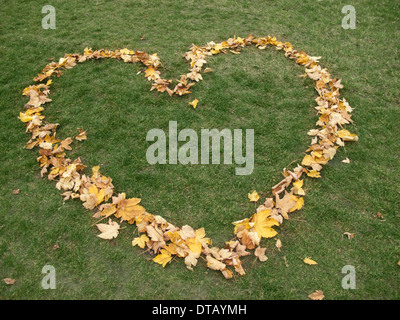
[
  {"x": 9, "y": 281},
  {"x": 317, "y": 295},
  {"x": 286, "y": 263},
  {"x": 260, "y": 253},
  {"x": 347, "y": 160},
  {"x": 140, "y": 241},
  {"x": 298, "y": 187},
  {"x": 194, "y": 103},
  {"x": 82, "y": 135},
  {"x": 349, "y": 235},
  {"x": 163, "y": 258},
  {"x": 108, "y": 231},
  {"x": 253, "y": 196},
  {"x": 16, "y": 191},
  {"x": 278, "y": 244},
  {"x": 309, "y": 261},
  {"x": 263, "y": 225},
  {"x": 214, "y": 264}
]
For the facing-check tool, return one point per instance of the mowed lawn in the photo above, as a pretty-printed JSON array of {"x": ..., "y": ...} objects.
[{"x": 258, "y": 89}]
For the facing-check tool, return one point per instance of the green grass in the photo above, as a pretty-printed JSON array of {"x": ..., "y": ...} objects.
[{"x": 257, "y": 89}]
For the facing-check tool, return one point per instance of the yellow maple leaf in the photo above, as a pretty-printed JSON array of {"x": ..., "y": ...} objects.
[
  {"x": 263, "y": 225},
  {"x": 99, "y": 194},
  {"x": 126, "y": 51},
  {"x": 194, "y": 103},
  {"x": 299, "y": 203},
  {"x": 298, "y": 187},
  {"x": 253, "y": 196},
  {"x": 244, "y": 224},
  {"x": 307, "y": 160},
  {"x": 313, "y": 174},
  {"x": 129, "y": 209},
  {"x": 140, "y": 241},
  {"x": 163, "y": 258},
  {"x": 151, "y": 73}
]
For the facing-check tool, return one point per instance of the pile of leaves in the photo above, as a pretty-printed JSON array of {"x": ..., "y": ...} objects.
[{"x": 165, "y": 240}]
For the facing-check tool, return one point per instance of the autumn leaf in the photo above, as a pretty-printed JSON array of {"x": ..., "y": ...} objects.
[
  {"x": 260, "y": 254},
  {"x": 9, "y": 281},
  {"x": 310, "y": 262},
  {"x": 66, "y": 143},
  {"x": 263, "y": 225},
  {"x": 151, "y": 73},
  {"x": 128, "y": 209},
  {"x": 313, "y": 174},
  {"x": 285, "y": 204},
  {"x": 163, "y": 258},
  {"x": 317, "y": 295},
  {"x": 299, "y": 203},
  {"x": 82, "y": 135},
  {"x": 108, "y": 231},
  {"x": 298, "y": 187},
  {"x": 253, "y": 196},
  {"x": 140, "y": 241},
  {"x": 194, "y": 103},
  {"x": 278, "y": 244},
  {"x": 349, "y": 235},
  {"x": 214, "y": 264}
]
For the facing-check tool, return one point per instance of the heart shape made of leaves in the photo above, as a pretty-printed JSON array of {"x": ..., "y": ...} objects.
[{"x": 163, "y": 238}]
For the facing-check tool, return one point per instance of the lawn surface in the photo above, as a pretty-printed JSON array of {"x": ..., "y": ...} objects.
[{"x": 256, "y": 89}]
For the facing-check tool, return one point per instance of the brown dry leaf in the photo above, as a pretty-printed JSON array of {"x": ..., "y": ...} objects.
[
  {"x": 317, "y": 295},
  {"x": 286, "y": 263},
  {"x": 228, "y": 274},
  {"x": 214, "y": 264},
  {"x": 66, "y": 143},
  {"x": 349, "y": 235},
  {"x": 17, "y": 191},
  {"x": 278, "y": 244},
  {"x": 108, "y": 231},
  {"x": 190, "y": 261},
  {"x": 260, "y": 253},
  {"x": 9, "y": 281},
  {"x": 347, "y": 160},
  {"x": 187, "y": 232},
  {"x": 128, "y": 209},
  {"x": 154, "y": 233},
  {"x": 82, "y": 135},
  {"x": 285, "y": 204}
]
